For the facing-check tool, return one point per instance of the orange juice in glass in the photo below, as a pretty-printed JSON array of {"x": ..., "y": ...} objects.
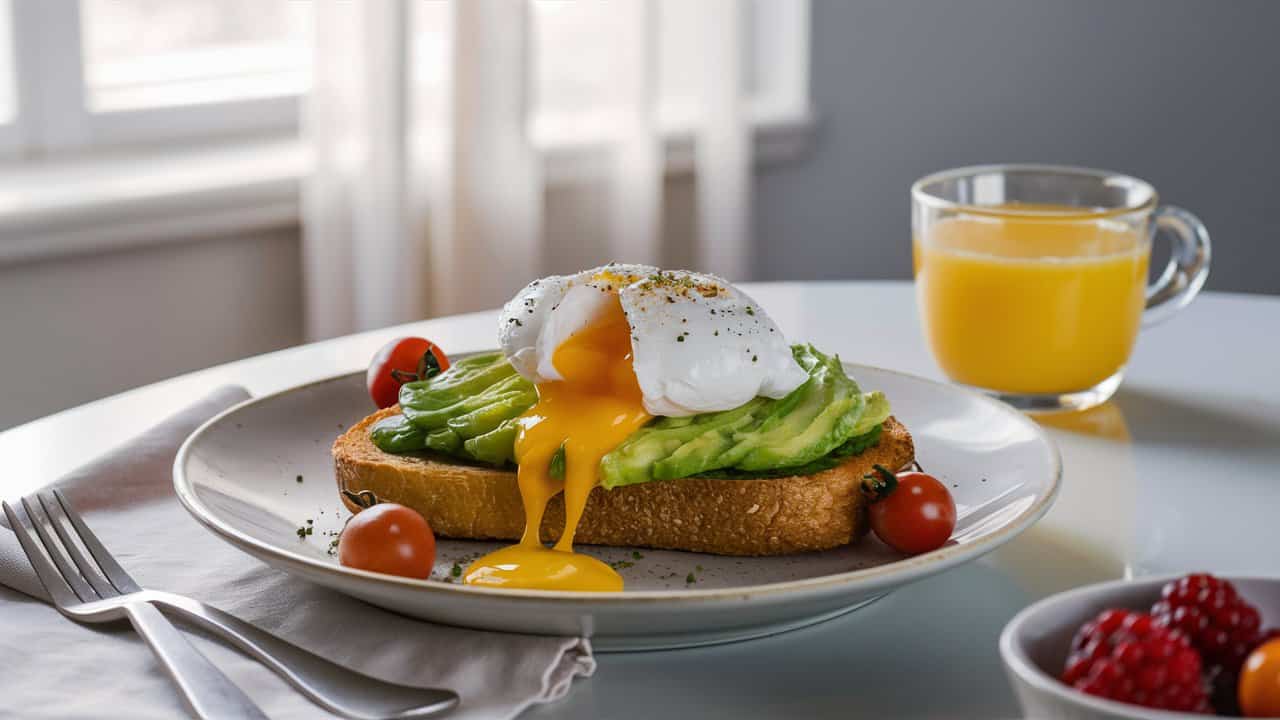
[{"x": 1032, "y": 280}]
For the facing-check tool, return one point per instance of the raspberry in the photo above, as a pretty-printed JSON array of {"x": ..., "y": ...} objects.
[
  {"x": 1220, "y": 624},
  {"x": 1126, "y": 656}
]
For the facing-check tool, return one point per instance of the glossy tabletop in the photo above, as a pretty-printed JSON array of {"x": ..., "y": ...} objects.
[{"x": 1180, "y": 471}]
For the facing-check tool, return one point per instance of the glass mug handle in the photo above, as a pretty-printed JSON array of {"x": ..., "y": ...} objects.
[{"x": 1188, "y": 264}]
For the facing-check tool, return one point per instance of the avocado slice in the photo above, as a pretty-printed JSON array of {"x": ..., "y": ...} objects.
[
  {"x": 395, "y": 434},
  {"x": 467, "y": 378},
  {"x": 828, "y": 409},
  {"x": 496, "y": 447},
  {"x": 702, "y": 442},
  {"x": 511, "y": 388},
  {"x": 636, "y": 459},
  {"x": 762, "y": 436},
  {"x": 488, "y": 417},
  {"x": 444, "y": 440},
  {"x": 877, "y": 410}
]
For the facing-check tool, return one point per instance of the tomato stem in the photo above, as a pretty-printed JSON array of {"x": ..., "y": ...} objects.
[
  {"x": 428, "y": 367},
  {"x": 364, "y": 499},
  {"x": 879, "y": 484}
]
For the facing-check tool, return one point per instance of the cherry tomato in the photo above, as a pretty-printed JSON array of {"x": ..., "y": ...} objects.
[
  {"x": 911, "y": 512},
  {"x": 400, "y": 361},
  {"x": 388, "y": 538},
  {"x": 1259, "y": 688}
]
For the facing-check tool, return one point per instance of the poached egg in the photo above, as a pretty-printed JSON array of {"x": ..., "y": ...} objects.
[{"x": 608, "y": 350}]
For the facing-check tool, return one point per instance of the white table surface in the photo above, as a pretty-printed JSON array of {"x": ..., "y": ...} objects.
[{"x": 1180, "y": 471}]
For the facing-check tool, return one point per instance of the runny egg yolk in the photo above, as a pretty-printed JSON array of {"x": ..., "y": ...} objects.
[{"x": 595, "y": 407}]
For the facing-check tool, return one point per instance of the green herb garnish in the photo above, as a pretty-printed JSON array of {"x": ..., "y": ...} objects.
[{"x": 555, "y": 470}]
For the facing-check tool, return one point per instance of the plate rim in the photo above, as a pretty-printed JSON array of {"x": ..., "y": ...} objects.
[{"x": 894, "y": 574}]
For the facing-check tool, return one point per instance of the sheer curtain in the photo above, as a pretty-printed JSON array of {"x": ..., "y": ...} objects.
[{"x": 427, "y": 193}]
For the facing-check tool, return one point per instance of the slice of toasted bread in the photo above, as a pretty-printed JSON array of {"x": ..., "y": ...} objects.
[{"x": 773, "y": 516}]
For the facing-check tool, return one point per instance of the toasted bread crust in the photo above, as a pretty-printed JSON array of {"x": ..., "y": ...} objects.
[{"x": 773, "y": 516}]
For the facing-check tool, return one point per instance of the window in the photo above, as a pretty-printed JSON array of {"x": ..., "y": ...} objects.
[
  {"x": 162, "y": 53},
  {"x": 78, "y": 75},
  {"x": 574, "y": 74}
]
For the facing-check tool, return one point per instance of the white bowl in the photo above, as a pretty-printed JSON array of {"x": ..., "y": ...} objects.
[{"x": 1034, "y": 645}]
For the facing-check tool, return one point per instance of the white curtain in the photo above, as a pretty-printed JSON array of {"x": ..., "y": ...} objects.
[
  {"x": 722, "y": 151},
  {"x": 427, "y": 196}
]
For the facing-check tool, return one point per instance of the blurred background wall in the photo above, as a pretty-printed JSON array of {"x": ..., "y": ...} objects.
[{"x": 1184, "y": 93}]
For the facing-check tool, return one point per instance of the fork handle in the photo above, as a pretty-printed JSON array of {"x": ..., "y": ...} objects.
[
  {"x": 328, "y": 684},
  {"x": 209, "y": 693}
]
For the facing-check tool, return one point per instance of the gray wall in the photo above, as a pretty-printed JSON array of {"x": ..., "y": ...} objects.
[
  {"x": 1184, "y": 93},
  {"x": 78, "y": 328}
]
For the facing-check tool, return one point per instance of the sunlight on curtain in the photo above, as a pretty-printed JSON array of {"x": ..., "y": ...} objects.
[
  {"x": 636, "y": 183},
  {"x": 486, "y": 207},
  {"x": 427, "y": 195},
  {"x": 722, "y": 154}
]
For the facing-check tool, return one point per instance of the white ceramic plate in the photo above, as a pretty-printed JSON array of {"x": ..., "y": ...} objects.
[{"x": 238, "y": 475}]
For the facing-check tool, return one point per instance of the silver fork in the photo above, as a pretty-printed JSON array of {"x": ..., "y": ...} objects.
[
  {"x": 94, "y": 598},
  {"x": 209, "y": 693}
]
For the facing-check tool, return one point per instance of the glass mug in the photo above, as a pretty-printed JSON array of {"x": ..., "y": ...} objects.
[{"x": 1032, "y": 280}]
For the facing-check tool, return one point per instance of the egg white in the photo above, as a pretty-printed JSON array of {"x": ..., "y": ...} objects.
[
  {"x": 525, "y": 316},
  {"x": 698, "y": 343}
]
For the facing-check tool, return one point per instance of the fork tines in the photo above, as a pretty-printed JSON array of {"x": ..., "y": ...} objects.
[{"x": 62, "y": 566}]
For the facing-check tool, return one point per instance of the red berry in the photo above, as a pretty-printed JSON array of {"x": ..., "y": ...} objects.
[
  {"x": 1110, "y": 620},
  {"x": 1152, "y": 677},
  {"x": 1128, "y": 657},
  {"x": 1219, "y": 624},
  {"x": 1129, "y": 653},
  {"x": 1138, "y": 623},
  {"x": 1075, "y": 670}
]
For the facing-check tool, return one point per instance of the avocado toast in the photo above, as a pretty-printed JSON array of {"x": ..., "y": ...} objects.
[{"x": 773, "y": 476}]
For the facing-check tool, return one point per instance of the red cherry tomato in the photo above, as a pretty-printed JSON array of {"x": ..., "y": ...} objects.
[
  {"x": 388, "y": 538},
  {"x": 1259, "y": 688},
  {"x": 400, "y": 361},
  {"x": 911, "y": 512}
]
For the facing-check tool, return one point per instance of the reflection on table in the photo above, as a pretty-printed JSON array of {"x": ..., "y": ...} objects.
[{"x": 1087, "y": 536}]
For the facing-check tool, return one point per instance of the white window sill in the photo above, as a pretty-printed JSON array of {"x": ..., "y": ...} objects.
[
  {"x": 105, "y": 202},
  {"x": 137, "y": 198}
]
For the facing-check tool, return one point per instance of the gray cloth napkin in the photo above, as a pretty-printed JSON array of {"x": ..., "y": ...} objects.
[{"x": 51, "y": 667}]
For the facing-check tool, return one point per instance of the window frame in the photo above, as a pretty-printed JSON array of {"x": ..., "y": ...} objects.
[{"x": 52, "y": 116}]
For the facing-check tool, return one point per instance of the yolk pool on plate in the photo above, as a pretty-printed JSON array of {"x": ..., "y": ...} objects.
[
  {"x": 1045, "y": 302},
  {"x": 595, "y": 407}
]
